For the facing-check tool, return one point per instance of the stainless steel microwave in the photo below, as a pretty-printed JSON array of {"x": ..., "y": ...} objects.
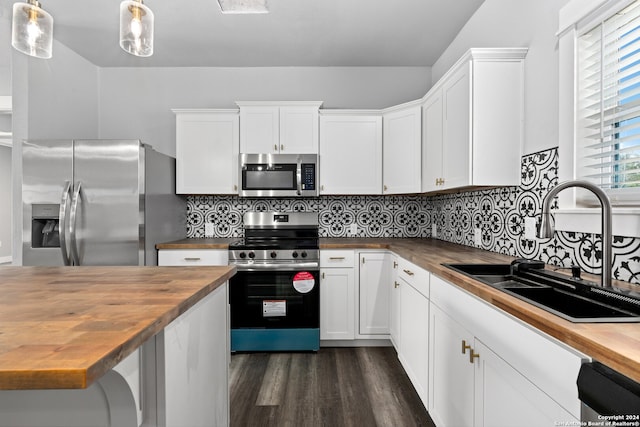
[{"x": 278, "y": 175}]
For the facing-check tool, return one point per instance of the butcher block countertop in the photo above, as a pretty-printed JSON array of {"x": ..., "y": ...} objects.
[
  {"x": 614, "y": 344},
  {"x": 65, "y": 327}
]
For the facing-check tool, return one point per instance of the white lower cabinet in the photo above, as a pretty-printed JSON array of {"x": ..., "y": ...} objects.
[
  {"x": 487, "y": 368},
  {"x": 394, "y": 305},
  {"x": 451, "y": 383},
  {"x": 505, "y": 397},
  {"x": 337, "y": 295},
  {"x": 374, "y": 292},
  {"x": 413, "y": 349}
]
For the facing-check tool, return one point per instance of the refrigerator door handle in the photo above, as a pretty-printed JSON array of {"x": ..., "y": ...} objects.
[
  {"x": 62, "y": 223},
  {"x": 72, "y": 224}
]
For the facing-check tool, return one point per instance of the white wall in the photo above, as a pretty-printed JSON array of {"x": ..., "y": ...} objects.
[
  {"x": 137, "y": 102},
  {"x": 519, "y": 23},
  {"x": 54, "y": 99}
]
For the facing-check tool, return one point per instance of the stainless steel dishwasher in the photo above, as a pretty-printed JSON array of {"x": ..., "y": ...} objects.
[{"x": 608, "y": 396}]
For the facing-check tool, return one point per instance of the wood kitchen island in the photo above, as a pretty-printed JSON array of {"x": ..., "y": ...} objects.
[{"x": 113, "y": 345}]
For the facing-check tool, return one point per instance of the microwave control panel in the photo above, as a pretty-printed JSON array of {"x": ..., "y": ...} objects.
[{"x": 308, "y": 176}]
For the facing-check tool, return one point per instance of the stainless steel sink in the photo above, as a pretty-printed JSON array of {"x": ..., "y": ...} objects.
[{"x": 574, "y": 300}]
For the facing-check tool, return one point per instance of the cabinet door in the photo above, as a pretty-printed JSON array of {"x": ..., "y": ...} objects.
[
  {"x": 504, "y": 397},
  {"x": 337, "y": 304},
  {"x": 207, "y": 153},
  {"x": 259, "y": 129},
  {"x": 299, "y": 132},
  {"x": 394, "y": 308},
  {"x": 414, "y": 337},
  {"x": 350, "y": 154},
  {"x": 456, "y": 148},
  {"x": 432, "y": 128},
  {"x": 451, "y": 385},
  {"x": 375, "y": 277},
  {"x": 401, "y": 144}
]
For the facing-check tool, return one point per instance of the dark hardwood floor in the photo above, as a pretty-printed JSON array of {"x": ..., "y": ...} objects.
[{"x": 335, "y": 387}]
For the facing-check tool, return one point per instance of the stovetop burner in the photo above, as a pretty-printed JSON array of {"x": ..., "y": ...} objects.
[{"x": 276, "y": 237}]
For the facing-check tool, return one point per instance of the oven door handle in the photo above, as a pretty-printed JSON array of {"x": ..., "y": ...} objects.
[{"x": 278, "y": 267}]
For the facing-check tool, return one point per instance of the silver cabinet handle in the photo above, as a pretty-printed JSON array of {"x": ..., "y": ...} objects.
[
  {"x": 62, "y": 222},
  {"x": 192, "y": 259},
  {"x": 72, "y": 224},
  {"x": 336, "y": 258},
  {"x": 409, "y": 272}
]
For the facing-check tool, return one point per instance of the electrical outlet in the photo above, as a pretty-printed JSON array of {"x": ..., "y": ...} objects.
[
  {"x": 208, "y": 230},
  {"x": 530, "y": 227},
  {"x": 353, "y": 229},
  {"x": 434, "y": 231},
  {"x": 477, "y": 236}
]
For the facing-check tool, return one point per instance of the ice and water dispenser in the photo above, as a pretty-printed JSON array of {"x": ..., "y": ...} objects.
[{"x": 45, "y": 226}]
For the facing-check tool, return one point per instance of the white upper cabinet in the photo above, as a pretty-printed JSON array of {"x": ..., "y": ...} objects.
[
  {"x": 350, "y": 152},
  {"x": 402, "y": 146},
  {"x": 432, "y": 129},
  {"x": 284, "y": 127},
  {"x": 207, "y": 144},
  {"x": 473, "y": 122}
]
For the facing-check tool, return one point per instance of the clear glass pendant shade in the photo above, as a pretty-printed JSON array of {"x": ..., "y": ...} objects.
[
  {"x": 136, "y": 28},
  {"x": 32, "y": 30}
]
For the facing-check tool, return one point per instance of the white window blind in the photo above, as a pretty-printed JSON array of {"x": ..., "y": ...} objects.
[{"x": 608, "y": 137}]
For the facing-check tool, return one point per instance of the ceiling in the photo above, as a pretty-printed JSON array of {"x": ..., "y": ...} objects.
[{"x": 294, "y": 33}]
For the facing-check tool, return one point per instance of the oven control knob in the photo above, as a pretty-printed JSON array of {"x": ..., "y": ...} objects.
[
  {"x": 252, "y": 255},
  {"x": 294, "y": 254},
  {"x": 243, "y": 255},
  {"x": 273, "y": 254},
  {"x": 303, "y": 254}
]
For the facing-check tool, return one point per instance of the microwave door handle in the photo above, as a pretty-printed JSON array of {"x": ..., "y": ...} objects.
[
  {"x": 62, "y": 222},
  {"x": 299, "y": 176}
]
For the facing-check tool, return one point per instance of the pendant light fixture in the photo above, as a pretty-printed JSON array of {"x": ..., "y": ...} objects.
[
  {"x": 32, "y": 29},
  {"x": 136, "y": 28}
]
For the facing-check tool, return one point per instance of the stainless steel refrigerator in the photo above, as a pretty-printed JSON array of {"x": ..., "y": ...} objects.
[{"x": 97, "y": 202}]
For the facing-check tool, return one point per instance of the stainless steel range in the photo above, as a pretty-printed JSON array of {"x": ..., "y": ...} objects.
[{"x": 275, "y": 296}]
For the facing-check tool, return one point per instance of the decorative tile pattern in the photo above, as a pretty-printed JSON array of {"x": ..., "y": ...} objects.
[
  {"x": 374, "y": 216},
  {"x": 499, "y": 214}
]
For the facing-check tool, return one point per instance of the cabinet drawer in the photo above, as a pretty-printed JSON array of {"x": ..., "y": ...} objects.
[
  {"x": 169, "y": 257},
  {"x": 338, "y": 258},
  {"x": 416, "y": 276}
]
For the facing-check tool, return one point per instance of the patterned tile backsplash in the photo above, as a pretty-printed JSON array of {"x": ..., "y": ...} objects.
[{"x": 499, "y": 214}]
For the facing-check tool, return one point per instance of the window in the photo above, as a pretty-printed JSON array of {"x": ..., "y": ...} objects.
[
  {"x": 599, "y": 118},
  {"x": 608, "y": 105}
]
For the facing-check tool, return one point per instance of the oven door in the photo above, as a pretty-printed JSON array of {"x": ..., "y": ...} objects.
[{"x": 275, "y": 297}]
